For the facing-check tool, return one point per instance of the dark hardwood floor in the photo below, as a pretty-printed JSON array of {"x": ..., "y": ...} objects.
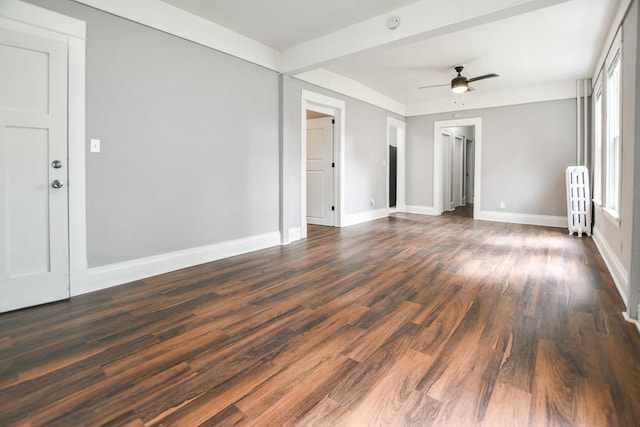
[{"x": 408, "y": 320}]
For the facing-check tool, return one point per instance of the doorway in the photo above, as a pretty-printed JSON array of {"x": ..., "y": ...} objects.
[
  {"x": 334, "y": 108},
  {"x": 393, "y": 176},
  {"x": 457, "y": 166},
  {"x": 395, "y": 165},
  {"x": 42, "y": 236},
  {"x": 456, "y": 175},
  {"x": 320, "y": 168}
]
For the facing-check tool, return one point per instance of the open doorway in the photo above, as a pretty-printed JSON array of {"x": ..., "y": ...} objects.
[
  {"x": 395, "y": 165},
  {"x": 457, "y": 166},
  {"x": 457, "y": 175}
]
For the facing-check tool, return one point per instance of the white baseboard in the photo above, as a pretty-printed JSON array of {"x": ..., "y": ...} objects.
[
  {"x": 294, "y": 234},
  {"x": 360, "y": 217},
  {"x": 618, "y": 272},
  {"x": 129, "y": 271},
  {"x": 421, "y": 210},
  {"x": 519, "y": 218},
  {"x": 631, "y": 320}
]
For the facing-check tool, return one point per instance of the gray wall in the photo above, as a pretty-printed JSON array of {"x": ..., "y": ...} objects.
[
  {"x": 365, "y": 152},
  {"x": 525, "y": 151},
  {"x": 189, "y": 141}
]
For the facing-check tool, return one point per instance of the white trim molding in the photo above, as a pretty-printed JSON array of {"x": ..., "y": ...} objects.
[
  {"x": 360, "y": 217},
  {"x": 616, "y": 269},
  {"x": 77, "y": 167},
  {"x": 129, "y": 271},
  {"x": 421, "y": 210},
  {"x": 520, "y": 218}
]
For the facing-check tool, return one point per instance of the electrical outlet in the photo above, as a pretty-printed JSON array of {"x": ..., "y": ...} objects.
[{"x": 503, "y": 205}]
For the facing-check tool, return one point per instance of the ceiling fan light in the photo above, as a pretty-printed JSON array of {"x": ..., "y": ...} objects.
[{"x": 459, "y": 87}]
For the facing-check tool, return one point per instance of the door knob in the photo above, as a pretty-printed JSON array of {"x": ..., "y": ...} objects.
[
  {"x": 56, "y": 164},
  {"x": 57, "y": 184}
]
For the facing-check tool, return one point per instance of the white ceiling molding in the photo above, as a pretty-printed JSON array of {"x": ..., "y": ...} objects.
[
  {"x": 424, "y": 19},
  {"x": 477, "y": 100},
  {"x": 337, "y": 83},
  {"x": 172, "y": 20}
]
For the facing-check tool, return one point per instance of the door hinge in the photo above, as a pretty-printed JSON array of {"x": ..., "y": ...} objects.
[
  {"x": 333, "y": 121},
  {"x": 333, "y": 208},
  {"x": 333, "y": 165}
]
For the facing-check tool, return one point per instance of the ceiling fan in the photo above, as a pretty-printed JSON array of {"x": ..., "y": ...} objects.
[{"x": 460, "y": 84}]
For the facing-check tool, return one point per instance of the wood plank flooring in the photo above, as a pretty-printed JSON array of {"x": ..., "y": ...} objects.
[{"x": 408, "y": 320}]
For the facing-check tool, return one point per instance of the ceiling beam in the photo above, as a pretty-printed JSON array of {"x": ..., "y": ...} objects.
[
  {"x": 170, "y": 19},
  {"x": 418, "y": 21}
]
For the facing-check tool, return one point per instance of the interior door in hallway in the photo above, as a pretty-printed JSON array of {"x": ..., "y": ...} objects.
[
  {"x": 447, "y": 172},
  {"x": 34, "y": 237},
  {"x": 457, "y": 170},
  {"x": 320, "y": 203}
]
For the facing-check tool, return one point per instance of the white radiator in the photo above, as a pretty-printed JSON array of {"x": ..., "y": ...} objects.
[{"x": 578, "y": 200}]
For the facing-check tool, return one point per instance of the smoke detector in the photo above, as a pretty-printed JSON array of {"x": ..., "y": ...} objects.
[{"x": 393, "y": 22}]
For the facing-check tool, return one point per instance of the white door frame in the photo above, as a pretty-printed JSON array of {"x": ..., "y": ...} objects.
[
  {"x": 14, "y": 14},
  {"x": 438, "y": 127},
  {"x": 336, "y": 108},
  {"x": 446, "y": 170},
  {"x": 400, "y": 128}
]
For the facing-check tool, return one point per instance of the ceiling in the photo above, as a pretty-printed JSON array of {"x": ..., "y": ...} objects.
[
  {"x": 534, "y": 45},
  {"x": 282, "y": 24}
]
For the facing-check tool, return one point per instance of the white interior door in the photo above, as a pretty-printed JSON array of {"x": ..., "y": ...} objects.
[
  {"x": 457, "y": 169},
  {"x": 34, "y": 237},
  {"x": 320, "y": 171},
  {"x": 470, "y": 167},
  {"x": 447, "y": 171},
  {"x": 464, "y": 171}
]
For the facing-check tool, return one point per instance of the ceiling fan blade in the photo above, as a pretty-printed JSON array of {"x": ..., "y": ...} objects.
[
  {"x": 428, "y": 87},
  {"x": 486, "y": 76}
]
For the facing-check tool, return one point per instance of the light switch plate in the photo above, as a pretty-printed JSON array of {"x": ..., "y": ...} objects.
[{"x": 94, "y": 146}]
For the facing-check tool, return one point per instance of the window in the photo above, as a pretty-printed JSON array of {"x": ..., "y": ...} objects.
[
  {"x": 597, "y": 144},
  {"x": 612, "y": 149}
]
